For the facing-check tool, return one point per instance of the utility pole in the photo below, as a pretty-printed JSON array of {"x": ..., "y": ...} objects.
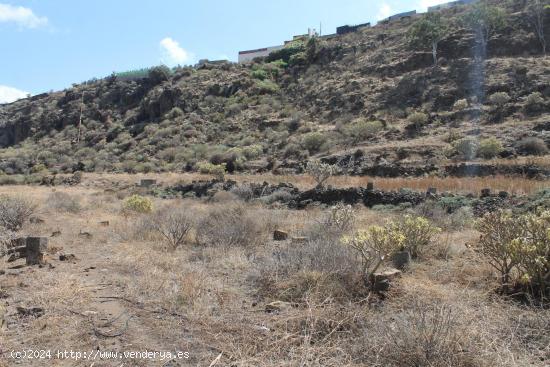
[{"x": 320, "y": 29}]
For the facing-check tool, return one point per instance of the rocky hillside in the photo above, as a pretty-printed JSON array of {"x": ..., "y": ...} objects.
[{"x": 367, "y": 101}]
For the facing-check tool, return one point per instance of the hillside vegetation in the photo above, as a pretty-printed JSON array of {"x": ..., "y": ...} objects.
[{"x": 364, "y": 100}]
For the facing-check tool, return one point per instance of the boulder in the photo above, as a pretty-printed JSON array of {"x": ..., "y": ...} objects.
[
  {"x": 401, "y": 259},
  {"x": 67, "y": 257},
  {"x": 279, "y": 235},
  {"x": 31, "y": 311},
  {"x": 36, "y": 249},
  {"x": 382, "y": 280}
]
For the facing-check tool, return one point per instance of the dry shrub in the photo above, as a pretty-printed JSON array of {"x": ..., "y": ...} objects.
[
  {"x": 320, "y": 172},
  {"x": 228, "y": 225},
  {"x": 14, "y": 212},
  {"x": 532, "y": 146},
  {"x": 320, "y": 267},
  {"x": 243, "y": 192},
  {"x": 223, "y": 197},
  {"x": 63, "y": 202},
  {"x": 462, "y": 217},
  {"x": 173, "y": 223},
  {"x": 6, "y": 238},
  {"x": 340, "y": 219},
  {"x": 426, "y": 335}
]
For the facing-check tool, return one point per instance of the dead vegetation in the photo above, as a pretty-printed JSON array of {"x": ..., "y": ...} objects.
[{"x": 210, "y": 275}]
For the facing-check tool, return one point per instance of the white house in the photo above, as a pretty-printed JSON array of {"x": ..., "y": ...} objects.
[{"x": 248, "y": 56}]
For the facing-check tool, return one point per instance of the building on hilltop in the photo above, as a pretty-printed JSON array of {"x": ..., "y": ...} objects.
[
  {"x": 400, "y": 16},
  {"x": 351, "y": 28},
  {"x": 450, "y": 5},
  {"x": 250, "y": 55}
]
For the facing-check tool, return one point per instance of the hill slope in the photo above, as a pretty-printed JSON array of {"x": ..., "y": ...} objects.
[{"x": 365, "y": 100}]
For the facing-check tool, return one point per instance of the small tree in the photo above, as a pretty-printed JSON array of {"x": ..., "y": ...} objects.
[
  {"x": 172, "y": 224},
  {"x": 320, "y": 172},
  {"x": 417, "y": 233},
  {"x": 536, "y": 12},
  {"x": 498, "y": 231},
  {"x": 428, "y": 32},
  {"x": 484, "y": 20},
  {"x": 373, "y": 247}
]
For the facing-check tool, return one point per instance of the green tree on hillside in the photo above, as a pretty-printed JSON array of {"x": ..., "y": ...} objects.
[
  {"x": 428, "y": 32},
  {"x": 484, "y": 20}
]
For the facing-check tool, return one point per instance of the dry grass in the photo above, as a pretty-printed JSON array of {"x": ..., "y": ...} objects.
[{"x": 207, "y": 299}]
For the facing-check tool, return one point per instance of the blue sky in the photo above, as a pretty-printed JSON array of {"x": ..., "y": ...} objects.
[{"x": 50, "y": 44}]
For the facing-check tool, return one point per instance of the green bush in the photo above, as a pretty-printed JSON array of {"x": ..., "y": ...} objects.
[
  {"x": 159, "y": 74},
  {"x": 489, "y": 148},
  {"x": 418, "y": 233},
  {"x": 466, "y": 147},
  {"x": 218, "y": 170},
  {"x": 299, "y": 58},
  {"x": 499, "y": 99},
  {"x": 360, "y": 130},
  {"x": 137, "y": 204},
  {"x": 518, "y": 248},
  {"x": 252, "y": 151},
  {"x": 534, "y": 102},
  {"x": 313, "y": 141},
  {"x": 259, "y": 74},
  {"x": 267, "y": 87},
  {"x": 287, "y": 52},
  {"x": 460, "y": 105},
  {"x": 418, "y": 119}
]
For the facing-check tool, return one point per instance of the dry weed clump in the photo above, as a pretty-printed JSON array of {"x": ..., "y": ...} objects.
[
  {"x": 14, "y": 212},
  {"x": 63, "y": 202},
  {"x": 173, "y": 223},
  {"x": 320, "y": 267},
  {"x": 229, "y": 225},
  {"x": 425, "y": 334}
]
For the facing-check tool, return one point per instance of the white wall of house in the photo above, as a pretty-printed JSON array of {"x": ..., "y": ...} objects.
[{"x": 248, "y": 56}]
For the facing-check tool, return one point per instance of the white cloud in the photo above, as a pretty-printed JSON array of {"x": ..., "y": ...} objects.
[
  {"x": 24, "y": 17},
  {"x": 173, "y": 52},
  {"x": 9, "y": 94},
  {"x": 423, "y": 5},
  {"x": 384, "y": 11}
]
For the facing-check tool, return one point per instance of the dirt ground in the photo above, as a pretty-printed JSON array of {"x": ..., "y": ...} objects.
[{"x": 124, "y": 291}]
